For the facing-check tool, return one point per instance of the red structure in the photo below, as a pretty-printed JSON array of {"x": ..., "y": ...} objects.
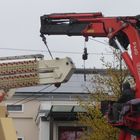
[{"x": 121, "y": 32}]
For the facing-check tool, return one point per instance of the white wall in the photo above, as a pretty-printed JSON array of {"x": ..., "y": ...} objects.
[{"x": 44, "y": 130}]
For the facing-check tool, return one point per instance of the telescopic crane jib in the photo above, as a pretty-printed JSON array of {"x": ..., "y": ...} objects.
[
  {"x": 121, "y": 32},
  {"x": 26, "y": 71}
]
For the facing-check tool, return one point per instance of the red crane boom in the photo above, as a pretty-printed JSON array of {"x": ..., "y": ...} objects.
[{"x": 121, "y": 31}]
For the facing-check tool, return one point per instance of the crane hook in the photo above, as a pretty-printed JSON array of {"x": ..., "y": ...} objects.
[{"x": 85, "y": 54}]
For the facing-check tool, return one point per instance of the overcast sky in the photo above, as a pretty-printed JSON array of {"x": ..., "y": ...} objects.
[{"x": 20, "y": 24}]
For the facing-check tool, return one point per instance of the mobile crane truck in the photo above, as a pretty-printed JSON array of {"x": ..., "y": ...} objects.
[
  {"x": 26, "y": 71},
  {"x": 122, "y": 32}
]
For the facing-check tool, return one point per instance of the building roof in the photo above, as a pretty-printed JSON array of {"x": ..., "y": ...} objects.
[{"x": 77, "y": 84}]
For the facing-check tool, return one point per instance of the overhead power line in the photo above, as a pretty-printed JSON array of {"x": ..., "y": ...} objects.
[
  {"x": 40, "y": 95},
  {"x": 19, "y": 101},
  {"x": 61, "y": 52}
]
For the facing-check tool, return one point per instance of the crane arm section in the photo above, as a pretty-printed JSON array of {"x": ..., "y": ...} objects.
[
  {"x": 32, "y": 70},
  {"x": 85, "y": 24}
]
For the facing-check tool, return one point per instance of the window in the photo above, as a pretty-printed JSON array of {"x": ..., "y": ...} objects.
[
  {"x": 20, "y": 138},
  {"x": 15, "y": 108},
  {"x": 70, "y": 133}
]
